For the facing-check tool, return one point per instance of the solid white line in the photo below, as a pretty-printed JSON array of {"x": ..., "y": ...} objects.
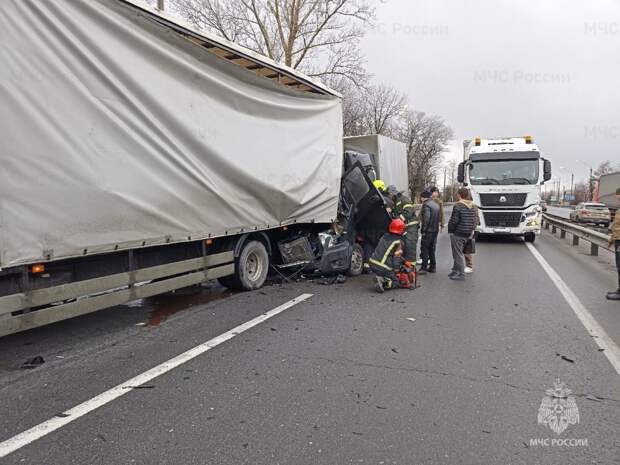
[
  {"x": 37, "y": 432},
  {"x": 602, "y": 339}
]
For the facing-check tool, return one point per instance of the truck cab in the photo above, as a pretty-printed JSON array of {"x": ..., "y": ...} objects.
[{"x": 505, "y": 177}]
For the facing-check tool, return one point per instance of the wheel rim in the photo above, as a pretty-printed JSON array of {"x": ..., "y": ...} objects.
[
  {"x": 253, "y": 267},
  {"x": 357, "y": 261}
]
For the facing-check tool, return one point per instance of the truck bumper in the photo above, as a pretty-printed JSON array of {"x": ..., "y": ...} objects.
[{"x": 526, "y": 227}]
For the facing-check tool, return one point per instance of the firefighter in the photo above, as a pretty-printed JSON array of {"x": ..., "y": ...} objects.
[
  {"x": 405, "y": 210},
  {"x": 386, "y": 261},
  {"x": 387, "y": 199}
]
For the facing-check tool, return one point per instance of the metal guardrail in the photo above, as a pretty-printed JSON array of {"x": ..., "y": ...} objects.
[{"x": 596, "y": 239}]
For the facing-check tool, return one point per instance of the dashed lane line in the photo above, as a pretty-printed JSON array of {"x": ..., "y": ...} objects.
[
  {"x": 23, "y": 439},
  {"x": 602, "y": 339}
]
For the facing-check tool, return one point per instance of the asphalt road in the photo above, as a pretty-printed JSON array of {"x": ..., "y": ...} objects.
[{"x": 344, "y": 377}]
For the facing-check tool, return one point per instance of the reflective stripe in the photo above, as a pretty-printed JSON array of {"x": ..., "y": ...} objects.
[
  {"x": 408, "y": 205},
  {"x": 389, "y": 250},
  {"x": 413, "y": 223},
  {"x": 378, "y": 263}
]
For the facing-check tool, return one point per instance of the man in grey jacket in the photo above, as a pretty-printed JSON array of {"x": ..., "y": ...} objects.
[{"x": 429, "y": 227}]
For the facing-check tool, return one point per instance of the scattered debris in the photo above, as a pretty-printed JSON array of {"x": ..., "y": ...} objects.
[
  {"x": 273, "y": 329},
  {"x": 143, "y": 386},
  {"x": 601, "y": 350},
  {"x": 357, "y": 434},
  {"x": 380, "y": 407},
  {"x": 141, "y": 324},
  {"x": 411, "y": 319},
  {"x": 565, "y": 358},
  {"x": 394, "y": 350},
  {"x": 338, "y": 279},
  {"x": 33, "y": 363},
  {"x": 102, "y": 437},
  {"x": 486, "y": 432},
  {"x": 594, "y": 398},
  {"x": 62, "y": 415},
  {"x": 59, "y": 356}
]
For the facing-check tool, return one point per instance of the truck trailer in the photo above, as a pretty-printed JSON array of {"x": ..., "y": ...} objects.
[
  {"x": 141, "y": 155},
  {"x": 605, "y": 191},
  {"x": 387, "y": 158},
  {"x": 505, "y": 177}
]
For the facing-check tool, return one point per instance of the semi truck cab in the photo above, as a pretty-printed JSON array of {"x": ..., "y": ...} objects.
[{"x": 505, "y": 178}]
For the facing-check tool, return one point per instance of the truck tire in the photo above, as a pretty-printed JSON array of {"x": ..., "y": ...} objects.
[
  {"x": 530, "y": 237},
  {"x": 251, "y": 267},
  {"x": 357, "y": 261}
]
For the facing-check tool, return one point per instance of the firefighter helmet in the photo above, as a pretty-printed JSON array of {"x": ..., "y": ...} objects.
[
  {"x": 380, "y": 185},
  {"x": 397, "y": 226}
]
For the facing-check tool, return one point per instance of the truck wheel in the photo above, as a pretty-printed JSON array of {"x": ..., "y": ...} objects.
[
  {"x": 252, "y": 266},
  {"x": 530, "y": 237},
  {"x": 357, "y": 261}
]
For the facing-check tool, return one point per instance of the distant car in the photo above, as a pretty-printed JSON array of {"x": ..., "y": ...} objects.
[{"x": 590, "y": 212}]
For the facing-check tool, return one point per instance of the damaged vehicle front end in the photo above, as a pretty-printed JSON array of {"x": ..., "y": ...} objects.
[{"x": 348, "y": 243}]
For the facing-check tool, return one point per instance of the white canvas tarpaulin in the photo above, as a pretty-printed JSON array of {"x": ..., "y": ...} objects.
[{"x": 118, "y": 132}]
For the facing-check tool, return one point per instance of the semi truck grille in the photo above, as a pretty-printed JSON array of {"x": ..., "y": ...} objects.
[
  {"x": 502, "y": 219},
  {"x": 503, "y": 200}
]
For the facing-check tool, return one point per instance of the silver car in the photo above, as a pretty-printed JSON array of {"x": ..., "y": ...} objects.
[{"x": 589, "y": 212}]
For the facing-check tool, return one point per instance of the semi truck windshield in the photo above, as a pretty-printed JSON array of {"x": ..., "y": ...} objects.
[{"x": 496, "y": 172}]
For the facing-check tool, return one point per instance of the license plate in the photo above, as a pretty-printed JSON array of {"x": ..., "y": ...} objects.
[{"x": 501, "y": 230}]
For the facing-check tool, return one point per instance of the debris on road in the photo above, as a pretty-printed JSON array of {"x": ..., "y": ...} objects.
[
  {"x": 411, "y": 319},
  {"x": 33, "y": 363},
  {"x": 565, "y": 358}
]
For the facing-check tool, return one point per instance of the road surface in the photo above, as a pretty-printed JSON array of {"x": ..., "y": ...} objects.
[{"x": 451, "y": 373}]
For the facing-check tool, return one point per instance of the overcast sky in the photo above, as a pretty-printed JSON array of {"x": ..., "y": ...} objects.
[{"x": 493, "y": 68}]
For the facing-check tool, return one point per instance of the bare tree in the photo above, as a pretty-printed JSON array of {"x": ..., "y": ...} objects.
[
  {"x": 605, "y": 168},
  {"x": 371, "y": 109},
  {"x": 319, "y": 37},
  {"x": 426, "y": 138}
]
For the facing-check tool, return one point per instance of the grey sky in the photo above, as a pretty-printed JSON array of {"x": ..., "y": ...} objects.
[{"x": 549, "y": 68}]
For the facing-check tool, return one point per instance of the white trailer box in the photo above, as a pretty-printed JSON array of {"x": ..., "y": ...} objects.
[
  {"x": 120, "y": 129},
  {"x": 389, "y": 158}
]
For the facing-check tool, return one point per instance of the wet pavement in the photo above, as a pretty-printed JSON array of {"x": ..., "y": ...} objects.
[{"x": 451, "y": 373}]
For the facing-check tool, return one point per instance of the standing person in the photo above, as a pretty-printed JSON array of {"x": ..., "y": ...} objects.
[
  {"x": 461, "y": 226},
  {"x": 387, "y": 260},
  {"x": 429, "y": 227},
  {"x": 470, "y": 246},
  {"x": 614, "y": 240},
  {"x": 405, "y": 210},
  {"x": 442, "y": 217}
]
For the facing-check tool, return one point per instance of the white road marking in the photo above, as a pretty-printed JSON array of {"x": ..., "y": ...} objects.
[
  {"x": 66, "y": 417},
  {"x": 602, "y": 339}
]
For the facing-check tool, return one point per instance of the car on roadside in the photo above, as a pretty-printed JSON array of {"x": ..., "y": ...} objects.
[{"x": 591, "y": 212}]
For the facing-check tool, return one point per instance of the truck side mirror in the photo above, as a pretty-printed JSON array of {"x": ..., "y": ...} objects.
[
  {"x": 461, "y": 173},
  {"x": 547, "y": 170}
]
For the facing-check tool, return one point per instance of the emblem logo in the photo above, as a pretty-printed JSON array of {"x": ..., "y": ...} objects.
[
  {"x": 558, "y": 409},
  {"x": 503, "y": 199}
]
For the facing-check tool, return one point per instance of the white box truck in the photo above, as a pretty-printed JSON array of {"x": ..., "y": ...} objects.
[
  {"x": 388, "y": 158},
  {"x": 140, "y": 155},
  {"x": 505, "y": 176}
]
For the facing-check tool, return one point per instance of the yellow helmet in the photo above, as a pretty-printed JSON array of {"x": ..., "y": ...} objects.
[{"x": 379, "y": 184}]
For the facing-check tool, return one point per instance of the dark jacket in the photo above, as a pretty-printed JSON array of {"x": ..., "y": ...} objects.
[
  {"x": 463, "y": 220},
  {"x": 383, "y": 256},
  {"x": 405, "y": 210},
  {"x": 430, "y": 217}
]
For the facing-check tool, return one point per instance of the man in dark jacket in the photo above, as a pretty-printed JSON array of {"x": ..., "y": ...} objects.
[
  {"x": 387, "y": 260},
  {"x": 461, "y": 227},
  {"x": 429, "y": 227}
]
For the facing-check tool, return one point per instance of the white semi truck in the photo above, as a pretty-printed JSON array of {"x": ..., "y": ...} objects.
[{"x": 505, "y": 177}]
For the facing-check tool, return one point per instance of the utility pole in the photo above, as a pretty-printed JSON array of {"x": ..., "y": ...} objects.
[
  {"x": 590, "y": 187},
  {"x": 160, "y": 5},
  {"x": 572, "y": 184}
]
